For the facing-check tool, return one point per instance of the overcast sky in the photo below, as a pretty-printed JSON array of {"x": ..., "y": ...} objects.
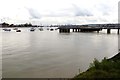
[{"x": 59, "y": 11}]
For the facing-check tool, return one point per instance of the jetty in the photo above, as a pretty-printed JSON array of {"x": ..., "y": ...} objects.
[{"x": 89, "y": 28}]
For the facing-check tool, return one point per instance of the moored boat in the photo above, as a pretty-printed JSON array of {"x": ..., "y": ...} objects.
[
  {"x": 18, "y": 30},
  {"x": 32, "y": 29},
  {"x": 15, "y": 28},
  {"x": 7, "y": 29},
  {"x": 47, "y": 28},
  {"x": 56, "y": 28},
  {"x": 41, "y": 29},
  {"x": 51, "y": 29}
]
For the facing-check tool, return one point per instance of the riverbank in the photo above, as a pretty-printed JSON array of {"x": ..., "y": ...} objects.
[{"x": 107, "y": 69}]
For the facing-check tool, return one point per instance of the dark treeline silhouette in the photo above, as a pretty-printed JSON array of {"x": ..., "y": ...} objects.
[
  {"x": 65, "y": 25},
  {"x": 19, "y": 25}
]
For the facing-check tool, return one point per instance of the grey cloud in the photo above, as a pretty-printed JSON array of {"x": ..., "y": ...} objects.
[
  {"x": 93, "y": 21},
  {"x": 104, "y": 8},
  {"x": 34, "y": 13},
  {"x": 81, "y": 12},
  {"x": 71, "y": 11}
]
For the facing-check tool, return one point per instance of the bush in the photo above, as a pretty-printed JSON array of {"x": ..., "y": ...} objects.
[{"x": 104, "y": 69}]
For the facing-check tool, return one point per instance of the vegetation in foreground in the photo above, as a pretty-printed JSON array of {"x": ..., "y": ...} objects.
[{"x": 107, "y": 69}]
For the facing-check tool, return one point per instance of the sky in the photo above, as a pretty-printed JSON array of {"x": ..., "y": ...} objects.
[{"x": 47, "y": 12}]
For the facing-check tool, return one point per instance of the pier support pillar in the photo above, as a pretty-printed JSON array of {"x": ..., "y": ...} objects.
[
  {"x": 118, "y": 32},
  {"x": 60, "y": 30},
  {"x": 68, "y": 30},
  {"x": 97, "y": 31},
  {"x": 64, "y": 30},
  {"x": 108, "y": 31},
  {"x": 73, "y": 30},
  {"x": 78, "y": 30}
]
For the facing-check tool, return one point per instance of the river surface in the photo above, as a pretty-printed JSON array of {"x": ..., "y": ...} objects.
[{"x": 50, "y": 54}]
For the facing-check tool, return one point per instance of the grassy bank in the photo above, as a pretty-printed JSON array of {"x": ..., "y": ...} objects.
[{"x": 107, "y": 68}]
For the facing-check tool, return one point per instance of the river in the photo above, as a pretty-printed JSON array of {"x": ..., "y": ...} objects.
[{"x": 50, "y": 54}]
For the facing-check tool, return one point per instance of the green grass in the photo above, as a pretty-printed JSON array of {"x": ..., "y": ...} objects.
[{"x": 99, "y": 70}]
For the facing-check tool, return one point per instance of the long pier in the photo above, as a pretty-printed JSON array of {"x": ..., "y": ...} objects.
[{"x": 88, "y": 28}]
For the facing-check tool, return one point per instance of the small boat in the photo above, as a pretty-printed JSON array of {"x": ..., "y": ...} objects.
[
  {"x": 47, "y": 28},
  {"x": 7, "y": 29},
  {"x": 41, "y": 29},
  {"x": 51, "y": 29},
  {"x": 4, "y": 29},
  {"x": 15, "y": 28},
  {"x": 32, "y": 29},
  {"x": 56, "y": 28},
  {"x": 18, "y": 30}
]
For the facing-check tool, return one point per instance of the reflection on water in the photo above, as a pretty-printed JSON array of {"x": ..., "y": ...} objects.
[{"x": 48, "y": 54}]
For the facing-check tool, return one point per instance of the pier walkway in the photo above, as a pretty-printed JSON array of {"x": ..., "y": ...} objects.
[{"x": 89, "y": 28}]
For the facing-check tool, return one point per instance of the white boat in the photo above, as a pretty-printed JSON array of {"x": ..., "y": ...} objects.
[
  {"x": 15, "y": 28},
  {"x": 32, "y": 29}
]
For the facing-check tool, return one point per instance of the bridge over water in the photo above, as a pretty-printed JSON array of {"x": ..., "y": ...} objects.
[{"x": 89, "y": 28}]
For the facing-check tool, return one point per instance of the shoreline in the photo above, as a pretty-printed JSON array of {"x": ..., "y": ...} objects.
[
  {"x": 107, "y": 68},
  {"x": 115, "y": 57}
]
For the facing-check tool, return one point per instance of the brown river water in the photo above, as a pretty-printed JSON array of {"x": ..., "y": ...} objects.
[{"x": 50, "y": 54}]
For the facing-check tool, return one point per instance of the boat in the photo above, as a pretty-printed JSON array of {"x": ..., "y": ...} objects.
[
  {"x": 41, "y": 29},
  {"x": 32, "y": 29},
  {"x": 15, "y": 28},
  {"x": 7, "y": 29},
  {"x": 56, "y": 28},
  {"x": 18, "y": 30},
  {"x": 47, "y": 28},
  {"x": 51, "y": 29}
]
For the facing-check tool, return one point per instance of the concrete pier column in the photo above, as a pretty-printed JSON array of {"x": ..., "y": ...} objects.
[
  {"x": 65, "y": 30},
  {"x": 97, "y": 31},
  {"x": 68, "y": 30},
  {"x": 118, "y": 32},
  {"x": 81, "y": 30},
  {"x": 60, "y": 30},
  {"x": 108, "y": 31},
  {"x": 78, "y": 30},
  {"x": 73, "y": 30}
]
